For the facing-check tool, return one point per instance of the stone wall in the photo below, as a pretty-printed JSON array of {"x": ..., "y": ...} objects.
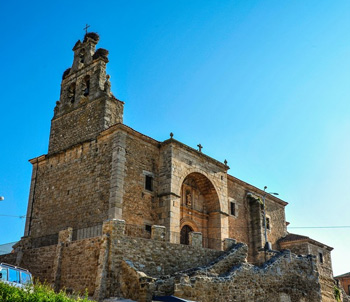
[
  {"x": 157, "y": 258},
  {"x": 287, "y": 277},
  {"x": 324, "y": 265},
  {"x": 71, "y": 265},
  {"x": 82, "y": 124},
  {"x": 79, "y": 265},
  {"x": 247, "y": 223},
  {"x": 141, "y": 159},
  {"x": 39, "y": 261},
  {"x": 71, "y": 189}
]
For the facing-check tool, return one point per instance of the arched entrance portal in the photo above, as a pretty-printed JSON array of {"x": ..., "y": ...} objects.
[
  {"x": 200, "y": 207},
  {"x": 185, "y": 234}
]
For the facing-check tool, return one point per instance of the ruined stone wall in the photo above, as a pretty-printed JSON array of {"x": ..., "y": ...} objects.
[
  {"x": 324, "y": 266},
  {"x": 287, "y": 278},
  {"x": 325, "y": 269},
  {"x": 71, "y": 188}
]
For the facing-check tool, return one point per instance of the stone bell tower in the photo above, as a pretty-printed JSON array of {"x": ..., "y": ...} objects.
[{"x": 86, "y": 106}]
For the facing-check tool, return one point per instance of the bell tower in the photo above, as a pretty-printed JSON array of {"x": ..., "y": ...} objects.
[{"x": 86, "y": 106}]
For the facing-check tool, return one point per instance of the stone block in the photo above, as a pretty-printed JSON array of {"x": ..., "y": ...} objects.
[
  {"x": 158, "y": 232},
  {"x": 229, "y": 243},
  {"x": 196, "y": 239}
]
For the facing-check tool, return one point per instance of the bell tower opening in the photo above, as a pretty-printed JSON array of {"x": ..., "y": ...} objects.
[{"x": 200, "y": 210}]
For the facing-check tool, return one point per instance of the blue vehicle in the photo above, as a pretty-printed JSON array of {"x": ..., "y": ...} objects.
[{"x": 14, "y": 275}]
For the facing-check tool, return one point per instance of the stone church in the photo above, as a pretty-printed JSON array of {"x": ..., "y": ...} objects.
[{"x": 118, "y": 213}]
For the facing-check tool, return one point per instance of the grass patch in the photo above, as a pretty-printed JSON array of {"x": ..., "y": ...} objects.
[{"x": 36, "y": 293}]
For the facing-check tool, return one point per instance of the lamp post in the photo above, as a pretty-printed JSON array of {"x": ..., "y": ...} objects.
[
  {"x": 2, "y": 198},
  {"x": 267, "y": 246}
]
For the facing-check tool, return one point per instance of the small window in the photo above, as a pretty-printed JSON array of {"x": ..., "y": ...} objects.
[
  {"x": 149, "y": 183},
  {"x": 320, "y": 256},
  {"x": 268, "y": 225},
  {"x": 233, "y": 208},
  {"x": 148, "y": 228},
  {"x": 71, "y": 93},
  {"x": 86, "y": 85}
]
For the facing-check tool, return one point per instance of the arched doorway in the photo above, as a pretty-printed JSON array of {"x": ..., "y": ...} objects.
[
  {"x": 200, "y": 207},
  {"x": 185, "y": 234}
]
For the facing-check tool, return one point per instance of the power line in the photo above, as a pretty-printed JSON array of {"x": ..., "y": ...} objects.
[
  {"x": 322, "y": 227},
  {"x": 23, "y": 216}
]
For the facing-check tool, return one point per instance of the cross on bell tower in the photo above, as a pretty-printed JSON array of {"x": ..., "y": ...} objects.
[{"x": 86, "y": 28}]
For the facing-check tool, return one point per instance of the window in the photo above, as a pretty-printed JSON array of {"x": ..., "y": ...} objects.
[
  {"x": 149, "y": 183},
  {"x": 3, "y": 274},
  {"x": 86, "y": 85},
  {"x": 25, "y": 278},
  {"x": 13, "y": 275},
  {"x": 148, "y": 228},
  {"x": 233, "y": 208},
  {"x": 320, "y": 256},
  {"x": 268, "y": 224},
  {"x": 71, "y": 93}
]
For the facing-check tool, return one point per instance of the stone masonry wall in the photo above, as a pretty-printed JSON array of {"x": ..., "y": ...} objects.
[
  {"x": 71, "y": 265},
  {"x": 242, "y": 224},
  {"x": 139, "y": 204},
  {"x": 79, "y": 265},
  {"x": 286, "y": 278},
  {"x": 324, "y": 268},
  {"x": 39, "y": 261},
  {"x": 82, "y": 124},
  {"x": 71, "y": 189},
  {"x": 157, "y": 258},
  {"x": 239, "y": 224}
]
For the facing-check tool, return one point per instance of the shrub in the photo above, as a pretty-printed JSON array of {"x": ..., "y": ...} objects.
[{"x": 36, "y": 293}]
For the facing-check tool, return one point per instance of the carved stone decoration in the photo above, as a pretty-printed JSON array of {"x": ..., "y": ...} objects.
[
  {"x": 188, "y": 198},
  {"x": 107, "y": 85}
]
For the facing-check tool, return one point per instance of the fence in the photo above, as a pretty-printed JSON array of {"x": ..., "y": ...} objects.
[{"x": 89, "y": 232}]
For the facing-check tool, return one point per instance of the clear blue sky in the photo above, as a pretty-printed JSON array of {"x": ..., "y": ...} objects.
[{"x": 263, "y": 84}]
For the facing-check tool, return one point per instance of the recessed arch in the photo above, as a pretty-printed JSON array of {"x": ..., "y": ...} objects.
[{"x": 200, "y": 207}]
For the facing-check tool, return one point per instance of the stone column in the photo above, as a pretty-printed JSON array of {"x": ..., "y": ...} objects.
[
  {"x": 116, "y": 187},
  {"x": 64, "y": 236},
  {"x": 196, "y": 239},
  {"x": 158, "y": 232},
  {"x": 111, "y": 230}
]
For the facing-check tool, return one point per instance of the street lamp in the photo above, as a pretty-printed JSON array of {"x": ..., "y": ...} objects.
[
  {"x": 267, "y": 246},
  {"x": 2, "y": 198}
]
